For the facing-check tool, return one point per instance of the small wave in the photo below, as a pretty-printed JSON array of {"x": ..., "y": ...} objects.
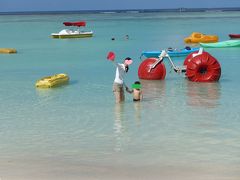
[
  {"x": 108, "y": 12},
  {"x": 132, "y": 12}
]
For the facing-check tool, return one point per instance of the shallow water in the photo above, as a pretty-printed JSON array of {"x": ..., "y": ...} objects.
[{"x": 181, "y": 130}]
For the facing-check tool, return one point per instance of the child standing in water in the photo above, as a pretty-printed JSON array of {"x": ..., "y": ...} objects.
[{"x": 136, "y": 91}]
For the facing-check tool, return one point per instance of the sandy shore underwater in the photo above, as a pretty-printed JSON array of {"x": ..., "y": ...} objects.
[{"x": 72, "y": 170}]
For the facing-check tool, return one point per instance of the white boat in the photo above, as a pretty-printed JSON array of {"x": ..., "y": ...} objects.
[{"x": 68, "y": 33}]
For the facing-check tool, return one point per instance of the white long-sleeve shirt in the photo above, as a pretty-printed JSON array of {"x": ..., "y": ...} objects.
[{"x": 120, "y": 72}]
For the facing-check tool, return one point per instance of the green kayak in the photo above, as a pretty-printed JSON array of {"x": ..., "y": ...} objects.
[{"x": 222, "y": 44}]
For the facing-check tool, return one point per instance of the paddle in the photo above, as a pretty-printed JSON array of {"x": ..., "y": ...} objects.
[{"x": 111, "y": 56}]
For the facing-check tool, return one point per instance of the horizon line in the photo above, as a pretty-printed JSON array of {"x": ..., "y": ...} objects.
[{"x": 181, "y": 9}]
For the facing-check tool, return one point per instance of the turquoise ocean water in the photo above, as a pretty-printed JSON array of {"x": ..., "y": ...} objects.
[{"x": 181, "y": 130}]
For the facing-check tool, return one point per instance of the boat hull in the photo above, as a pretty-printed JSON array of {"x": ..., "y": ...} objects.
[
  {"x": 196, "y": 37},
  {"x": 52, "y": 81},
  {"x": 234, "y": 36},
  {"x": 65, "y": 36},
  {"x": 174, "y": 53},
  {"x": 223, "y": 44},
  {"x": 7, "y": 51},
  {"x": 67, "y": 33}
]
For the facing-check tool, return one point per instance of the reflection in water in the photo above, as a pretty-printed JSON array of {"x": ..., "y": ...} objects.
[
  {"x": 203, "y": 94},
  {"x": 118, "y": 125},
  {"x": 41, "y": 92},
  {"x": 137, "y": 108},
  {"x": 47, "y": 92},
  {"x": 45, "y": 96},
  {"x": 121, "y": 122},
  {"x": 153, "y": 89}
]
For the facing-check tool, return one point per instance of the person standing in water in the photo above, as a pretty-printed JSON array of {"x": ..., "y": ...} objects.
[
  {"x": 136, "y": 91},
  {"x": 118, "y": 84}
]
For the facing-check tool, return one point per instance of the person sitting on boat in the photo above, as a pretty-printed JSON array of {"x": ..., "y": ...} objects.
[{"x": 188, "y": 48}]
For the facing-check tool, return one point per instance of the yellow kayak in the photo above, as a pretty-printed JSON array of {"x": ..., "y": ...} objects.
[
  {"x": 7, "y": 50},
  {"x": 52, "y": 81}
]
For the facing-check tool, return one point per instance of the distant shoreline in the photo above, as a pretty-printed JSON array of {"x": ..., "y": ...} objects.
[{"x": 123, "y": 11}]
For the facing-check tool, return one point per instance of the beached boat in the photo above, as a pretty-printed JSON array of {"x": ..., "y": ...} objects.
[
  {"x": 197, "y": 37},
  {"x": 171, "y": 52},
  {"x": 52, "y": 81},
  {"x": 234, "y": 36},
  {"x": 8, "y": 50},
  {"x": 68, "y": 33},
  {"x": 222, "y": 44}
]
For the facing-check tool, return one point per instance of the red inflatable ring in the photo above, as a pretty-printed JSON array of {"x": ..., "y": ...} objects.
[
  {"x": 145, "y": 71},
  {"x": 203, "y": 68}
]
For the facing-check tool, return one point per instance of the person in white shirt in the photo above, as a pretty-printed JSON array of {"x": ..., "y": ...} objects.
[{"x": 118, "y": 84}]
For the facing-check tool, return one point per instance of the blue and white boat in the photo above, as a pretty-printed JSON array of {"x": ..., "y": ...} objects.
[{"x": 171, "y": 52}]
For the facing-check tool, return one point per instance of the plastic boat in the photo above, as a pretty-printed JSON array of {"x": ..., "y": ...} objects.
[
  {"x": 7, "y": 50},
  {"x": 172, "y": 53},
  {"x": 52, "y": 81},
  {"x": 222, "y": 44},
  {"x": 68, "y": 33},
  {"x": 197, "y": 37},
  {"x": 234, "y": 36}
]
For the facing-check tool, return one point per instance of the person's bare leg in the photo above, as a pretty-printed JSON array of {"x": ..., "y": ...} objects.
[
  {"x": 122, "y": 96},
  {"x": 118, "y": 97}
]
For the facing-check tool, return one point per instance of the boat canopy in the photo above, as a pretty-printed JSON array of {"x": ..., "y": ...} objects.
[{"x": 80, "y": 23}]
